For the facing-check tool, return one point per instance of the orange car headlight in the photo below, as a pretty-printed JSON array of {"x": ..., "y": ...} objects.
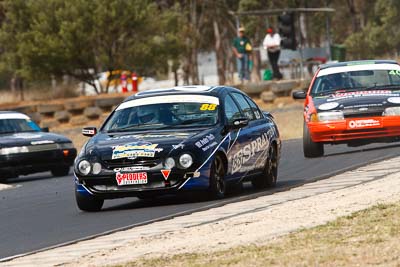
[
  {"x": 392, "y": 111},
  {"x": 330, "y": 116}
]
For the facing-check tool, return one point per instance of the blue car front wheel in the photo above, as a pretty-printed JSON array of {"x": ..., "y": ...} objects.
[
  {"x": 88, "y": 202},
  {"x": 217, "y": 178}
]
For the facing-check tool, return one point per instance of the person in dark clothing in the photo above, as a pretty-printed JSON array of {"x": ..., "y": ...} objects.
[
  {"x": 241, "y": 49},
  {"x": 272, "y": 43}
]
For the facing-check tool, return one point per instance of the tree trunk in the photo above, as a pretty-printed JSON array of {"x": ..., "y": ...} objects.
[
  {"x": 255, "y": 72},
  {"x": 109, "y": 78},
  {"x": 19, "y": 82},
  {"x": 191, "y": 43},
  {"x": 185, "y": 70},
  {"x": 354, "y": 16},
  {"x": 13, "y": 85},
  {"x": 194, "y": 70},
  {"x": 219, "y": 53}
]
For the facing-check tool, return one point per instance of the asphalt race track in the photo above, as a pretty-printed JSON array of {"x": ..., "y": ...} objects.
[{"x": 41, "y": 211}]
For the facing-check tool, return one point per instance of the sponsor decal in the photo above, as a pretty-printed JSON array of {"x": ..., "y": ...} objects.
[
  {"x": 210, "y": 107},
  {"x": 131, "y": 178},
  {"x": 134, "y": 150},
  {"x": 207, "y": 147},
  {"x": 132, "y": 169},
  {"x": 181, "y": 146},
  {"x": 87, "y": 131},
  {"x": 369, "y": 123},
  {"x": 328, "y": 106},
  {"x": 137, "y": 136},
  {"x": 364, "y": 106},
  {"x": 394, "y": 100},
  {"x": 169, "y": 99},
  {"x": 248, "y": 151},
  {"x": 394, "y": 72},
  {"x": 205, "y": 140},
  {"x": 42, "y": 142},
  {"x": 345, "y": 95},
  {"x": 165, "y": 174}
]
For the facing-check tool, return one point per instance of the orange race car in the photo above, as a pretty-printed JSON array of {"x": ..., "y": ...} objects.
[{"x": 355, "y": 102}]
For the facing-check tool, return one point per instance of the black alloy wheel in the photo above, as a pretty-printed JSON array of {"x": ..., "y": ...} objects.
[
  {"x": 269, "y": 175},
  {"x": 217, "y": 181},
  {"x": 88, "y": 203},
  {"x": 311, "y": 149}
]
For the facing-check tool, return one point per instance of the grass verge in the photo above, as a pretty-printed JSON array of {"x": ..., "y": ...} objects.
[{"x": 365, "y": 238}]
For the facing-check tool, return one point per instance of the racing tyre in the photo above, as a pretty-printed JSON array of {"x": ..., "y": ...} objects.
[
  {"x": 217, "y": 181},
  {"x": 88, "y": 203},
  {"x": 311, "y": 149},
  {"x": 60, "y": 171},
  {"x": 270, "y": 172}
]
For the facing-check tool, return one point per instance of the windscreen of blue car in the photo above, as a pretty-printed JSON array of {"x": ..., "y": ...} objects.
[
  {"x": 17, "y": 126},
  {"x": 163, "y": 113}
]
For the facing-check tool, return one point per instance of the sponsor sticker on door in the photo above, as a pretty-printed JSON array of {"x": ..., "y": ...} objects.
[
  {"x": 364, "y": 124},
  {"x": 131, "y": 178}
]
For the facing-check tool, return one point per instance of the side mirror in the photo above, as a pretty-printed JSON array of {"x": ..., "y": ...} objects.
[
  {"x": 89, "y": 131},
  {"x": 45, "y": 129},
  {"x": 239, "y": 123},
  {"x": 268, "y": 115},
  {"x": 299, "y": 95}
]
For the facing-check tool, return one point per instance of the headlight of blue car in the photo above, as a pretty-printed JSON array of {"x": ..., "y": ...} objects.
[{"x": 185, "y": 161}]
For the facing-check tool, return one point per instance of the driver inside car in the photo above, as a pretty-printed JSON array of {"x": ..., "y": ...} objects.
[
  {"x": 334, "y": 81},
  {"x": 148, "y": 114}
]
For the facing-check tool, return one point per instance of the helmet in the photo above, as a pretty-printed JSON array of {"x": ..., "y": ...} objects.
[
  {"x": 336, "y": 79},
  {"x": 148, "y": 114}
]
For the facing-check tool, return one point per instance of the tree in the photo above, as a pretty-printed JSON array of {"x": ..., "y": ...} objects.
[
  {"x": 16, "y": 20},
  {"x": 82, "y": 38},
  {"x": 379, "y": 37},
  {"x": 218, "y": 31}
]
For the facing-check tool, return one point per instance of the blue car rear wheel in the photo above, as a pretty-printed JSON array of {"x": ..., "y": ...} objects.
[{"x": 269, "y": 175}]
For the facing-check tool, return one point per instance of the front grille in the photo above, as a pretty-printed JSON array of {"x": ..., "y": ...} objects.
[
  {"x": 43, "y": 147},
  {"x": 362, "y": 115},
  {"x": 362, "y": 111},
  {"x": 359, "y": 114},
  {"x": 125, "y": 162}
]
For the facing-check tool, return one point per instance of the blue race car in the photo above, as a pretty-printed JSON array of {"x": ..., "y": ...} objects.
[{"x": 184, "y": 138}]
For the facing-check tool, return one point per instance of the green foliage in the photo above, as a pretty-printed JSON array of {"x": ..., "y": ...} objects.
[
  {"x": 380, "y": 37},
  {"x": 81, "y": 38}
]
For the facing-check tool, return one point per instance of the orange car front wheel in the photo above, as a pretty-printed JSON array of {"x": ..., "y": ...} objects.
[{"x": 311, "y": 149}]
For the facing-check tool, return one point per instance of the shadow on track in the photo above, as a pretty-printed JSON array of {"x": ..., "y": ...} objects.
[
  {"x": 361, "y": 149},
  {"x": 247, "y": 192},
  {"x": 34, "y": 177}
]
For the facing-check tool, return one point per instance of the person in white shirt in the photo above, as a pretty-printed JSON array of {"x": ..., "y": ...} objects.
[{"x": 272, "y": 43}]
